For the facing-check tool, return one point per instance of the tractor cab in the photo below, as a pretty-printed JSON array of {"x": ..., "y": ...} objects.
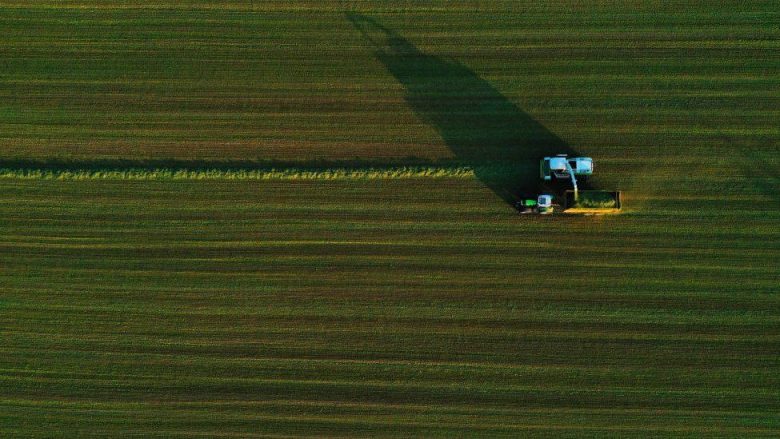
[{"x": 544, "y": 204}]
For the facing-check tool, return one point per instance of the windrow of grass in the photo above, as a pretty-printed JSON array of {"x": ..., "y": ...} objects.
[{"x": 389, "y": 173}]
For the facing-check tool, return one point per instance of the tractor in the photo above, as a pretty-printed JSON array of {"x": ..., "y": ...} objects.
[{"x": 542, "y": 204}]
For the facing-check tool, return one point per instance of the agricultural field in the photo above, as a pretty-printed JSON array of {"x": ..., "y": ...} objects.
[
  {"x": 294, "y": 219},
  {"x": 387, "y": 307}
]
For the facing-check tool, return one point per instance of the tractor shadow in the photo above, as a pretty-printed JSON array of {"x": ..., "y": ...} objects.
[{"x": 481, "y": 126}]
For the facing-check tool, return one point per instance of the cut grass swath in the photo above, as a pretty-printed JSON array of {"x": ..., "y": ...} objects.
[{"x": 392, "y": 173}]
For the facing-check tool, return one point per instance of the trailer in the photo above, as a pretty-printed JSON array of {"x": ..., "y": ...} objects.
[{"x": 592, "y": 202}]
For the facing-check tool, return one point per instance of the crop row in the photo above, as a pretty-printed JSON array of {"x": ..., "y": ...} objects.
[{"x": 393, "y": 173}]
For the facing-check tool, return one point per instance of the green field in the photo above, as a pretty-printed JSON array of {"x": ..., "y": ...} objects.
[
  {"x": 282, "y": 219},
  {"x": 388, "y": 307}
]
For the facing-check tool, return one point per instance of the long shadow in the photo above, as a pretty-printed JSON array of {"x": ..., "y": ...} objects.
[{"x": 478, "y": 124}]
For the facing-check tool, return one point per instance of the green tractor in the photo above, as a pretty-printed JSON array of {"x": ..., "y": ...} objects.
[{"x": 541, "y": 205}]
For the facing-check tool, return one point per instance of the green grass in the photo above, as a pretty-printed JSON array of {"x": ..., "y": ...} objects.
[
  {"x": 161, "y": 274},
  {"x": 287, "y": 173},
  {"x": 378, "y": 307},
  {"x": 299, "y": 81}
]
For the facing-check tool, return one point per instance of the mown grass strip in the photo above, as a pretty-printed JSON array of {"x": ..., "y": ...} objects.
[{"x": 244, "y": 174}]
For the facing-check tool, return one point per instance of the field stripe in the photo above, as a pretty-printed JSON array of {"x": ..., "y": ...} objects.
[{"x": 372, "y": 173}]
